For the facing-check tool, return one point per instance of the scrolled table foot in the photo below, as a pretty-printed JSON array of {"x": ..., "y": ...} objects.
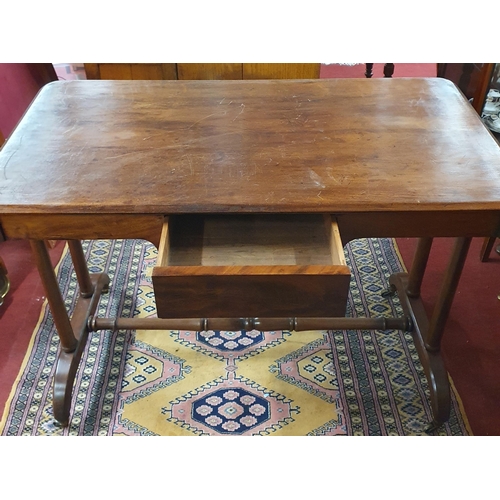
[
  {"x": 433, "y": 427},
  {"x": 389, "y": 292},
  {"x": 67, "y": 362},
  {"x": 432, "y": 362}
]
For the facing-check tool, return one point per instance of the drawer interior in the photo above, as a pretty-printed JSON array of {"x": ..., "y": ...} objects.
[
  {"x": 227, "y": 266},
  {"x": 250, "y": 240}
]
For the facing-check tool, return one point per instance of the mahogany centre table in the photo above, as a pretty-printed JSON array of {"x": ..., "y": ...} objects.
[{"x": 170, "y": 161}]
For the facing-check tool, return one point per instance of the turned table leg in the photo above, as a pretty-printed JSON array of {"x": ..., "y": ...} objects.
[
  {"x": 81, "y": 269},
  {"x": 418, "y": 266},
  {"x": 486, "y": 248},
  {"x": 72, "y": 333},
  {"x": 448, "y": 288},
  {"x": 54, "y": 298}
]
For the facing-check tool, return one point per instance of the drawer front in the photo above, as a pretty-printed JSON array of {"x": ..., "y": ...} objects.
[
  {"x": 229, "y": 292},
  {"x": 250, "y": 266}
]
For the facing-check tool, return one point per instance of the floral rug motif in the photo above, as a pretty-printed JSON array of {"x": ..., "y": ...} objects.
[{"x": 219, "y": 383}]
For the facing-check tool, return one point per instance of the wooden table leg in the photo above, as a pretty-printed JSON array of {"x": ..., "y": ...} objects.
[
  {"x": 486, "y": 248},
  {"x": 72, "y": 333},
  {"x": 81, "y": 269},
  {"x": 54, "y": 298},
  {"x": 418, "y": 266},
  {"x": 427, "y": 335},
  {"x": 445, "y": 299}
]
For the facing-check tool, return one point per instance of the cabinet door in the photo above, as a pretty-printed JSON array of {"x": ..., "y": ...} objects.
[
  {"x": 255, "y": 71},
  {"x": 119, "y": 71},
  {"x": 209, "y": 71}
]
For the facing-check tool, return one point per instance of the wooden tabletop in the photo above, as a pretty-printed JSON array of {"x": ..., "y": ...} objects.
[{"x": 336, "y": 145}]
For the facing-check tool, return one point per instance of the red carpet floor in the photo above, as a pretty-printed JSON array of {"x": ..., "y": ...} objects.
[
  {"x": 471, "y": 345},
  {"x": 20, "y": 310}
]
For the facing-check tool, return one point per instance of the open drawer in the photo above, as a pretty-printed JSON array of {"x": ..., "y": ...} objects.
[{"x": 231, "y": 266}]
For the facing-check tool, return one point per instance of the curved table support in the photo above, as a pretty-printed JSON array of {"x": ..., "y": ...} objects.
[
  {"x": 72, "y": 333},
  {"x": 427, "y": 334},
  {"x": 432, "y": 362},
  {"x": 67, "y": 362}
]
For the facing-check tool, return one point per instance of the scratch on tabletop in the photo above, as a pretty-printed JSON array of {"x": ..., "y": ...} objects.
[
  {"x": 190, "y": 163},
  {"x": 6, "y": 163},
  {"x": 122, "y": 155},
  {"x": 242, "y": 109},
  {"x": 204, "y": 118},
  {"x": 68, "y": 130},
  {"x": 316, "y": 178}
]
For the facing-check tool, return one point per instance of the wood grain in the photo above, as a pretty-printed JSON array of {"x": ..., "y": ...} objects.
[
  {"x": 241, "y": 291},
  {"x": 259, "y": 71},
  {"x": 92, "y": 71},
  {"x": 200, "y": 71},
  {"x": 324, "y": 146},
  {"x": 82, "y": 227},
  {"x": 246, "y": 265},
  {"x": 164, "y": 246},
  {"x": 209, "y": 71},
  {"x": 128, "y": 71},
  {"x": 406, "y": 224},
  {"x": 335, "y": 242},
  {"x": 234, "y": 240}
]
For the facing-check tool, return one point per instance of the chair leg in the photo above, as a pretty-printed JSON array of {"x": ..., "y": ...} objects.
[
  {"x": 486, "y": 248},
  {"x": 388, "y": 70}
]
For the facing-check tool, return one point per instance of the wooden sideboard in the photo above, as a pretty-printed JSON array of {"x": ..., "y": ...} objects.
[{"x": 201, "y": 71}]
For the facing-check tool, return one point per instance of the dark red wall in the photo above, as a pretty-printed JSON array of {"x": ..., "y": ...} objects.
[{"x": 19, "y": 84}]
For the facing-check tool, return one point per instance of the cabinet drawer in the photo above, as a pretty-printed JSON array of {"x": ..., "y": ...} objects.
[{"x": 227, "y": 266}]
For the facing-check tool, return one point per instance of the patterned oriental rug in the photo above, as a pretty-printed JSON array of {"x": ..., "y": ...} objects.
[{"x": 146, "y": 383}]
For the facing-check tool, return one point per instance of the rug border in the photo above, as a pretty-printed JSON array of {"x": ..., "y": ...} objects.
[{"x": 29, "y": 349}]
